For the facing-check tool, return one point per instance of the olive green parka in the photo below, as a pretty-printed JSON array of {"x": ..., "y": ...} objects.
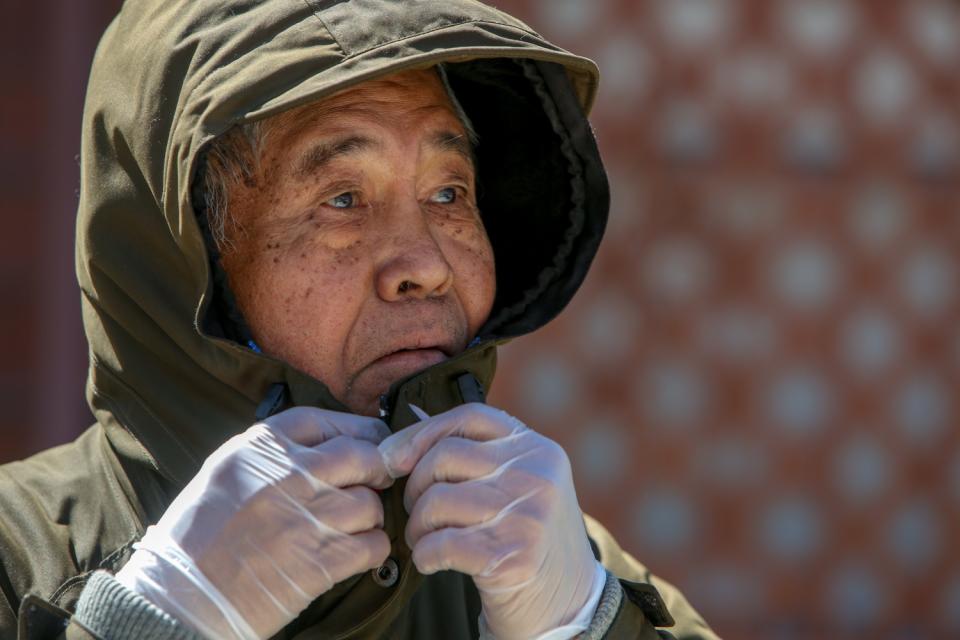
[{"x": 169, "y": 381}]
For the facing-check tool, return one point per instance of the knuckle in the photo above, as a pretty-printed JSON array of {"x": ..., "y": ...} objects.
[
  {"x": 283, "y": 420},
  {"x": 343, "y": 451},
  {"x": 293, "y": 414},
  {"x": 432, "y": 504},
  {"x": 314, "y": 461},
  {"x": 488, "y": 414},
  {"x": 436, "y": 495},
  {"x": 370, "y": 508},
  {"x": 515, "y": 423},
  {"x": 411, "y": 534},
  {"x": 427, "y": 518},
  {"x": 554, "y": 454},
  {"x": 367, "y": 497},
  {"x": 472, "y": 408},
  {"x": 447, "y": 549},
  {"x": 375, "y": 549},
  {"x": 449, "y": 448},
  {"x": 475, "y": 412},
  {"x": 339, "y": 447}
]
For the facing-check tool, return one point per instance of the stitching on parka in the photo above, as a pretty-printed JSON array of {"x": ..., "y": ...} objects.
[
  {"x": 109, "y": 563},
  {"x": 316, "y": 11},
  {"x": 117, "y": 410},
  {"x": 381, "y": 45}
]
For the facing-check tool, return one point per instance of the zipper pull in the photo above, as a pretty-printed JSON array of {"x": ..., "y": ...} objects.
[
  {"x": 470, "y": 388},
  {"x": 384, "y": 408},
  {"x": 276, "y": 400}
]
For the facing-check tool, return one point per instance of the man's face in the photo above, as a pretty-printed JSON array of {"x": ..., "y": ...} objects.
[{"x": 361, "y": 256}]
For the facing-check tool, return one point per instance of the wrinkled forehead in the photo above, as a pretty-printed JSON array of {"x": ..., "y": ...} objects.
[{"x": 417, "y": 92}]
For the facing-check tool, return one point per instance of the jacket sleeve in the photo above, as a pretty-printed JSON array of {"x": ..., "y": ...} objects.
[
  {"x": 107, "y": 610},
  {"x": 650, "y": 608}
]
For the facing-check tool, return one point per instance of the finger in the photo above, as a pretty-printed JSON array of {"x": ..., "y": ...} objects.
[
  {"x": 335, "y": 559},
  {"x": 349, "y": 511},
  {"x": 402, "y": 450},
  {"x": 475, "y": 551},
  {"x": 454, "y": 505},
  {"x": 453, "y": 459},
  {"x": 343, "y": 462},
  {"x": 309, "y": 426},
  {"x": 369, "y": 550}
]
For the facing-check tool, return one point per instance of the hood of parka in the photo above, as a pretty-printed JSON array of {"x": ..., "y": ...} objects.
[{"x": 170, "y": 76}]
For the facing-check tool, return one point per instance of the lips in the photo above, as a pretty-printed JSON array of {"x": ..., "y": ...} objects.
[
  {"x": 404, "y": 362},
  {"x": 412, "y": 349},
  {"x": 414, "y": 345},
  {"x": 414, "y": 357}
]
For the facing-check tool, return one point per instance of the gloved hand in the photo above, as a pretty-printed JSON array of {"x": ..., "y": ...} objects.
[
  {"x": 275, "y": 517},
  {"x": 495, "y": 500}
]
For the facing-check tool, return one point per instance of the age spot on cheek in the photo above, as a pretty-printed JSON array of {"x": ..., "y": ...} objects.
[{"x": 350, "y": 254}]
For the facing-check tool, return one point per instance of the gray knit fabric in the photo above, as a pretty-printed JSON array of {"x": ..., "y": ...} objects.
[
  {"x": 112, "y": 612},
  {"x": 607, "y": 610}
]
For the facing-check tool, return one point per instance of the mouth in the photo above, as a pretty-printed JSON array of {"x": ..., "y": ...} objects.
[
  {"x": 420, "y": 358},
  {"x": 406, "y": 355}
]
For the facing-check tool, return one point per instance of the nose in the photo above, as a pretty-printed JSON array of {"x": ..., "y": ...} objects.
[{"x": 414, "y": 266}]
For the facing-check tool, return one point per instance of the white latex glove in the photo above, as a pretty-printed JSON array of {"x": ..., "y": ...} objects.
[
  {"x": 495, "y": 500},
  {"x": 275, "y": 517}
]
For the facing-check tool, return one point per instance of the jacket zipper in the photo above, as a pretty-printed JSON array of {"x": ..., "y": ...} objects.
[{"x": 384, "y": 408}]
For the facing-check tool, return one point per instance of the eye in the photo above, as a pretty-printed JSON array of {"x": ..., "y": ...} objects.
[
  {"x": 447, "y": 195},
  {"x": 343, "y": 201}
]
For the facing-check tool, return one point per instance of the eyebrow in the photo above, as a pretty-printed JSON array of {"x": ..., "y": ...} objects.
[
  {"x": 452, "y": 141},
  {"x": 320, "y": 155}
]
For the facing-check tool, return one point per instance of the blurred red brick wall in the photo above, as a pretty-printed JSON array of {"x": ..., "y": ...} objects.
[{"x": 757, "y": 384}]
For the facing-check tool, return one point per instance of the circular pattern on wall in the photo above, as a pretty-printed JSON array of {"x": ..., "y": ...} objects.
[{"x": 757, "y": 386}]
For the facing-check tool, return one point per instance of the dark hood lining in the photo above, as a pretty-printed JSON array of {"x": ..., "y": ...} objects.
[
  {"x": 571, "y": 199},
  {"x": 533, "y": 195},
  {"x": 544, "y": 200}
]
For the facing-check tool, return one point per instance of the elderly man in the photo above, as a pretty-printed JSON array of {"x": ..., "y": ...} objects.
[{"x": 320, "y": 219}]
